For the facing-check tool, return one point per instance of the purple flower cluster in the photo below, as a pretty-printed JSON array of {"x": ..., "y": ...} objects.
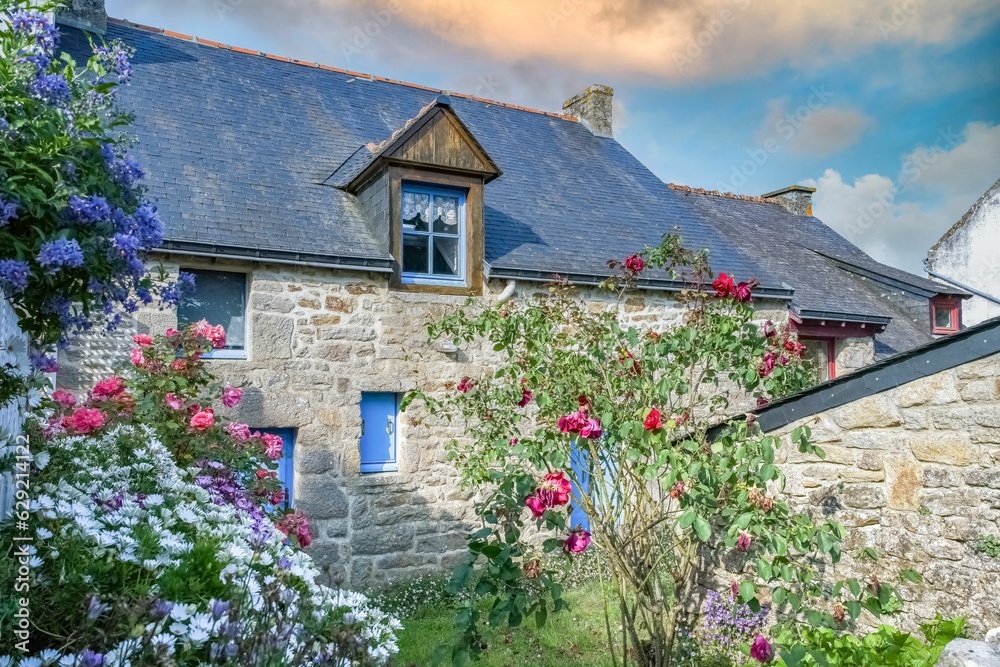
[
  {"x": 51, "y": 88},
  {"x": 60, "y": 253},
  {"x": 88, "y": 210},
  {"x": 14, "y": 275},
  {"x": 729, "y": 622},
  {"x": 173, "y": 292},
  {"x": 33, "y": 23},
  {"x": 225, "y": 489},
  {"x": 117, "y": 58},
  {"x": 8, "y": 211},
  {"x": 124, "y": 170},
  {"x": 42, "y": 362}
]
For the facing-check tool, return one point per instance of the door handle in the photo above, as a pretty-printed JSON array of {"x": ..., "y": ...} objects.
[
  {"x": 362, "y": 427},
  {"x": 388, "y": 425}
]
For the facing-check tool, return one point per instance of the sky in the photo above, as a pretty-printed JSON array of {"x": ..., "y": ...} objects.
[{"x": 890, "y": 108}]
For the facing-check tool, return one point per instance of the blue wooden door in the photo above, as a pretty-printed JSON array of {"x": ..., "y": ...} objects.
[
  {"x": 378, "y": 432},
  {"x": 286, "y": 466},
  {"x": 579, "y": 461}
]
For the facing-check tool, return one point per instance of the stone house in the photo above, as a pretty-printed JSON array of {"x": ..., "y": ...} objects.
[
  {"x": 912, "y": 469},
  {"x": 967, "y": 256},
  {"x": 329, "y": 215}
]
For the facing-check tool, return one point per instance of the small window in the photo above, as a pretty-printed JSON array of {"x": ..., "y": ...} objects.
[
  {"x": 821, "y": 355},
  {"x": 220, "y": 297},
  {"x": 945, "y": 315},
  {"x": 286, "y": 466},
  {"x": 378, "y": 431},
  {"x": 433, "y": 235}
]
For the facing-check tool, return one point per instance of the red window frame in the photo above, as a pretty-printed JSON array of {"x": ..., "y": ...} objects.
[
  {"x": 954, "y": 307},
  {"x": 831, "y": 353}
]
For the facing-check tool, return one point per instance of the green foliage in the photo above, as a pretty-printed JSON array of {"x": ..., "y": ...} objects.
[
  {"x": 886, "y": 646},
  {"x": 988, "y": 545}
]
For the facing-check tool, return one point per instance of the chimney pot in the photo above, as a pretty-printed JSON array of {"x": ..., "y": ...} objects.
[
  {"x": 593, "y": 108},
  {"x": 89, "y": 15},
  {"x": 796, "y": 199}
]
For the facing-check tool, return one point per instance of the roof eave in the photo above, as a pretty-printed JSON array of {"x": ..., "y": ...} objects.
[{"x": 328, "y": 261}]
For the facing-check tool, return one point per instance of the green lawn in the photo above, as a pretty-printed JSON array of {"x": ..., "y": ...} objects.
[{"x": 569, "y": 639}]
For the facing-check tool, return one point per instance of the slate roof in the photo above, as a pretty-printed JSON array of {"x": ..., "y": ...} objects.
[{"x": 244, "y": 152}]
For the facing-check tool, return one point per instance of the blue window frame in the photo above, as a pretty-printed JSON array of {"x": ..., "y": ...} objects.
[
  {"x": 378, "y": 431},
  {"x": 286, "y": 466},
  {"x": 433, "y": 224},
  {"x": 579, "y": 460}
]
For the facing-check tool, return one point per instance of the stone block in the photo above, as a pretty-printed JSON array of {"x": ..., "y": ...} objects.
[
  {"x": 382, "y": 540},
  {"x": 404, "y": 560},
  {"x": 942, "y": 447},
  {"x": 272, "y": 303},
  {"x": 934, "y": 476},
  {"x": 337, "y": 304},
  {"x": 903, "y": 482},
  {"x": 869, "y": 412},
  {"x": 333, "y": 351},
  {"x": 937, "y": 389},
  {"x": 271, "y": 337},
  {"x": 310, "y": 303},
  {"x": 441, "y": 543},
  {"x": 863, "y": 496},
  {"x": 981, "y": 390},
  {"x": 984, "y": 477},
  {"x": 320, "y": 497},
  {"x": 968, "y": 653}
]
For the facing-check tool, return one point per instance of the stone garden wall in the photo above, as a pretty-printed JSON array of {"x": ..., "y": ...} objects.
[
  {"x": 915, "y": 473},
  {"x": 319, "y": 338}
]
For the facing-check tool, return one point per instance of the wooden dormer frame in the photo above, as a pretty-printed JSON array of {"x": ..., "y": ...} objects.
[{"x": 953, "y": 304}]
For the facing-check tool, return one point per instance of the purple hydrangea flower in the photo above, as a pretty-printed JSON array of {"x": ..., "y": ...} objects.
[
  {"x": 42, "y": 362},
  {"x": 8, "y": 211},
  {"x": 90, "y": 659},
  {"x": 60, "y": 253},
  {"x": 51, "y": 88},
  {"x": 173, "y": 292},
  {"x": 125, "y": 245},
  {"x": 117, "y": 58},
  {"x": 149, "y": 227},
  {"x": 89, "y": 209},
  {"x": 14, "y": 274},
  {"x": 124, "y": 170},
  {"x": 40, "y": 61}
]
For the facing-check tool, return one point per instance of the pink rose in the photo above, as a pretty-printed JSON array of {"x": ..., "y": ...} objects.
[
  {"x": 215, "y": 335},
  {"x": 173, "y": 402},
  {"x": 466, "y": 384},
  {"x": 765, "y": 367},
  {"x": 278, "y": 497},
  {"x": 239, "y": 432},
  {"x": 526, "y": 397},
  {"x": 295, "y": 523},
  {"x": 761, "y": 402},
  {"x": 171, "y": 332},
  {"x": 743, "y": 543},
  {"x": 108, "y": 388},
  {"x": 769, "y": 329},
  {"x": 560, "y": 487},
  {"x": 577, "y": 542},
  {"x": 761, "y": 649},
  {"x": 137, "y": 358},
  {"x": 64, "y": 398},
  {"x": 572, "y": 422},
  {"x": 536, "y": 504},
  {"x": 272, "y": 445},
  {"x": 734, "y": 587},
  {"x": 635, "y": 264},
  {"x": 179, "y": 365},
  {"x": 231, "y": 396},
  {"x": 743, "y": 293},
  {"x": 84, "y": 420},
  {"x": 203, "y": 420},
  {"x": 677, "y": 490},
  {"x": 653, "y": 420},
  {"x": 591, "y": 428},
  {"x": 142, "y": 340}
]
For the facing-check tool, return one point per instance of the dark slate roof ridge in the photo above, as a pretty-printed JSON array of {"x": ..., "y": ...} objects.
[
  {"x": 361, "y": 75},
  {"x": 945, "y": 353},
  {"x": 718, "y": 193},
  {"x": 892, "y": 274}
]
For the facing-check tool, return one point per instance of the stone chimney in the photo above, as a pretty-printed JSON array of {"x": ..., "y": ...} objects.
[
  {"x": 593, "y": 108},
  {"x": 795, "y": 198},
  {"x": 89, "y": 15}
]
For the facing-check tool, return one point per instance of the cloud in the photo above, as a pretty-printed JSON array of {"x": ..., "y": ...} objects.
[
  {"x": 897, "y": 220},
  {"x": 813, "y": 128},
  {"x": 668, "y": 40}
]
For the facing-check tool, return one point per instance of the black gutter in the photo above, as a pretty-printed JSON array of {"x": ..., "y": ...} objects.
[
  {"x": 354, "y": 263},
  {"x": 534, "y": 275},
  {"x": 943, "y": 354},
  {"x": 973, "y": 290},
  {"x": 842, "y": 317}
]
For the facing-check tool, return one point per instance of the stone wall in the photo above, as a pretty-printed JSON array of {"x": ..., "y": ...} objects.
[
  {"x": 316, "y": 340},
  {"x": 915, "y": 473}
]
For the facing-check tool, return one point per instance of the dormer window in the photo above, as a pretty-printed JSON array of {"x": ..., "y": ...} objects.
[
  {"x": 433, "y": 229},
  {"x": 945, "y": 315}
]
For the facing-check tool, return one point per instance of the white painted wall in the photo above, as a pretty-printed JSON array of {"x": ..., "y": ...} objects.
[
  {"x": 969, "y": 253},
  {"x": 12, "y": 413}
]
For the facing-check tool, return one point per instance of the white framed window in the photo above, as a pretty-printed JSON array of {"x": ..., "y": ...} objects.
[
  {"x": 220, "y": 297},
  {"x": 433, "y": 224}
]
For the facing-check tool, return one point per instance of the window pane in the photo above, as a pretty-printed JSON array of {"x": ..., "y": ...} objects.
[
  {"x": 416, "y": 211},
  {"x": 817, "y": 357},
  {"x": 446, "y": 256},
  {"x": 942, "y": 317},
  {"x": 445, "y": 213},
  {"x": 220, "y": 298},
  {"x": 415, "y": 250}
]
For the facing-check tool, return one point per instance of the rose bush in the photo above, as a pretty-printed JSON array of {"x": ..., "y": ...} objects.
[{"x": 637, "y": 423}]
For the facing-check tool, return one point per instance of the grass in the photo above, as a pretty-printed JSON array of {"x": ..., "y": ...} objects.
[{"x": 573, "y": 638}]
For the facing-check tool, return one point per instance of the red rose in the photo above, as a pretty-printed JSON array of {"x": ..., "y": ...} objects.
[
  {"x": 577, "y": 542},
  {"x": 466, "y": 384},
  {"x": 653, "y": 420},
  {"x": 559, "y": 486},
  {"x": 724, "y": 286},
  {"x": 591, "y": 428},
  {"x": 526, "y": 397},
  {"x": 743, "y": 293},
  {"x": 535, "y": 503},
  {"x": 635, "y": 264},
  {"x": 761, "y": 649},
  {"x": 743, "y": 543}
]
